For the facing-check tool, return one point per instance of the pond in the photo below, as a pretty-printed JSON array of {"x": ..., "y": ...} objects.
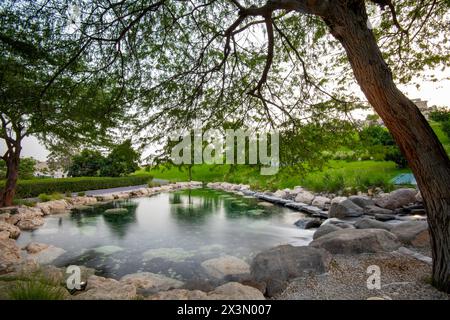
[{"x": 169, "y": 233}]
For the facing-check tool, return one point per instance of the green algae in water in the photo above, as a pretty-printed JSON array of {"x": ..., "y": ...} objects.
[
  {"x": 256, "y": 212},
  {"x": 87, "y": 230},
  {"x": 108, "y": 250},
  {"x": 170, "y": 254}
]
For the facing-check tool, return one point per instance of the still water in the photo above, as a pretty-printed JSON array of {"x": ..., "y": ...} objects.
[{"x": 169, "y": 233}]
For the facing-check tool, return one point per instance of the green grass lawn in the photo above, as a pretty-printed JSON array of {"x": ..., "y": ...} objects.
[{"x": 335, "y": 176}]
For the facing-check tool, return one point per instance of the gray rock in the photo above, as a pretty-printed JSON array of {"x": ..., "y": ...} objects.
[
  {"x": 151, "y": 282},
  {"x": 305, "y": 197},
  {"x": 372, "y": 224},
  {"x": 414, "y": 233},
  {"x": 397, "y": 199},
  {"x": 308, "y": 223},
  {"x": 361, "y": 201},
  {"x": 325, "y": 229},
  {"x": 278, "y": 265},
  {"x": 225, "y": 266},
  {"x": 355, "y": 241},
  {"x": 99, "y": 288},
  {"x": 373, "y": 210},
  {"x": 384, "y": 217},
  {"x": 345, "y": 208},
  {"x": 321, "y": 202}
]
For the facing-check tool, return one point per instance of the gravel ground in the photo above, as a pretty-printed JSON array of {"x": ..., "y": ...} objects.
[{"x": 402, "y": 278}]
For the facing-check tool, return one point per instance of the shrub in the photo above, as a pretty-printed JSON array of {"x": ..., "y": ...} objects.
[
  {"x": 440, "y": 115},
  {"x": 54, "y": 196},
  {"x": 35, "y": 187},
  {"x": 152, "y": 184},
  {"x": 81, "y": 194},
  {"x": 36, "y": 289},
  {"x": 394, "y": 154},
  {"x": 446, "y": 128}
]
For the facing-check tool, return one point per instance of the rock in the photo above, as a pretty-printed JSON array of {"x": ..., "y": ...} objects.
[
  {"x": 413, "y": 233},
  {"x": 325, "y": 229},
  {"x": 321, "y": 202},
  {"x": 397, "y": 199},
  {"x": 281, "y": 194},
  {"x": 265, "y": 204},
  {"x": 54, "y": 206},
  {"x": 4, "y": 235},
  {"x": 47, "y": 255},
  {"x": 338, "y": 199},
  {"x": 105, "y": 197},
  {"x": 179, "y": 294},
  {"x": 344, "y": 209},
  {"x": 362, "y": 201},
  {"x": 308, "y": 223},
  {"x": 151, "y": 282},
  {"x": 4, "y": 217},
  {"x": 99, "y": 288},
  {"x": 384, "y": 217},
  {"x": 419, "y": 197},
  {"x": 116, "y": 211},
  {"x": 305, "y": 197},
  {"x": 31, "y": 224},
  {"x": 9, "y": 255},
  {"x": 278, "y": 265},
  {"x": 224, "y": 266},
  {"x": 355, "y": 241},
  {"x": 14, "y": 232},
  {"x": 373, "y": 210},
  {"x": 82, "y": 201},
  {"x": 35, "y": 247},
  {"x": 372, "y": 224},
  {"x": 235, "y": 291}
]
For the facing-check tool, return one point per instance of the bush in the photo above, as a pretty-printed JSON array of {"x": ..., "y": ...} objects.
[
  {"x": 81, "y": 194},
  {"x": 394, "y": 154},
  {"x": 54, "y": 196},
  {"x": 440, "y": 115},
  {"x": 446, "y": 128},
  {"x": 33, "y": 188}
]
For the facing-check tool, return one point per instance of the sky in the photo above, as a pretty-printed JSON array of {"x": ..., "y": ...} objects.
[{"x": 436, "y": 93}]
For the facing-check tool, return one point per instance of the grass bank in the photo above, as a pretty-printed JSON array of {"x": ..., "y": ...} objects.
[{"x": 337, "y": 175}]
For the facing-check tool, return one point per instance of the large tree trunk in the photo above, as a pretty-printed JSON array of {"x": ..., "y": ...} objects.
[
  {"x": 419, "y": 144},
  {"x": 12, "y": 159}
]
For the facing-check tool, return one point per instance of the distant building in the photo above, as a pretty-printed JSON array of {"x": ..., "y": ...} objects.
[
  {"x": 423, "y": 106},
  {"x": 42, "y": 170}
]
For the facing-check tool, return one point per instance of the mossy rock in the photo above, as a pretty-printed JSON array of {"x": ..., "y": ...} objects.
[{"x": 116, "y": 211}]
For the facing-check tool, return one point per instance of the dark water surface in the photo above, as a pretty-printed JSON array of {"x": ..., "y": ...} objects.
[{"x": 169, "y": 233}]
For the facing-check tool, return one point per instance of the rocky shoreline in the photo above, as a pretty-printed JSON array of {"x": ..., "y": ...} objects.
[{"x": 347, "y": 228}]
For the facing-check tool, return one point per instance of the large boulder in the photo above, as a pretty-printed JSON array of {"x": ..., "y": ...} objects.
[
  {"x": 373, "y": 210},
  {"x": 35, "y": 247},
  {"x": 99, "y": 288},
  {"x": 325, "y": 229},
  {"x": 9, "y": 253},
  {"x": 304, "y": 197},
  {"x": 235, "y": 291},
  {"x": 14, "y": 232},
  {"x": 308, "y": 223},
  {"x": 54, "y": 206},
  {"x": 82, "y": 201},
  {"x": 228, "y": 291},
  {"x": 413, "y": 233},
  {"x": 361, "y": 201},
  {"x": 46, "y": 255},
  {"x": 225, "y": 266},
  {"x": 281, "y": 194},
  {"x": 321, "y": 202},
  {"x": 355, "y": 241},
  {"x": 276, "y": 266},
  {"x": 28, "y": 218},
  {"x": 367, "y": 223},
  {"x": 345, "y": 209},
  {"x": 147, "y": 282},
  {"x": 397, "y": 199}
]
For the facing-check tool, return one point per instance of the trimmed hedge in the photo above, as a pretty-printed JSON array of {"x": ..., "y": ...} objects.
[{"x": 33, "y": 188}]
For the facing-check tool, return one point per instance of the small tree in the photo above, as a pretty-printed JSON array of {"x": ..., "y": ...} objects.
[
  {"x": 86, "y": 164},
  {"x": 122, "y": 160}
]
